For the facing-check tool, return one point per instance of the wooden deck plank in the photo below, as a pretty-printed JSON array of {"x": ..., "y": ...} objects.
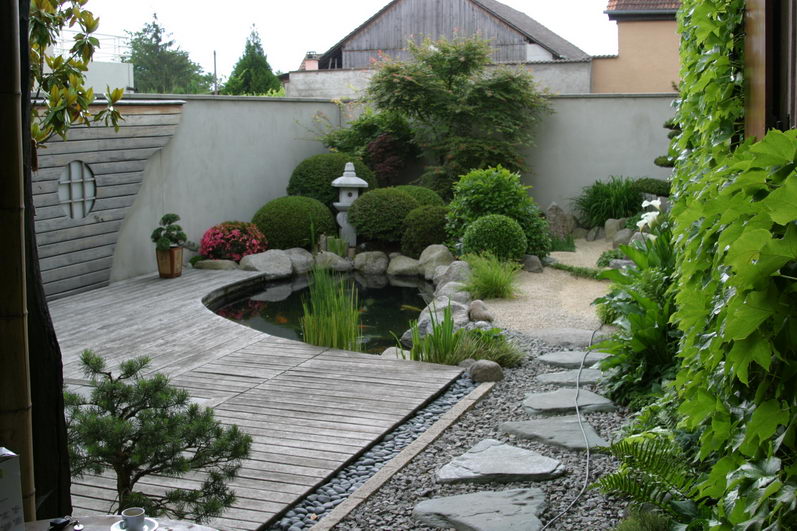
[{"x": 309, "y": 410}]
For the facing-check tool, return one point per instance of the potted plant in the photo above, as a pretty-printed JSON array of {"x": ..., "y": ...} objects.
[{"x": 169, "y": 238}]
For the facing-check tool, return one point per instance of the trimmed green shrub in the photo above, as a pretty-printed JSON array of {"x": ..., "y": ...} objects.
[
  {"x": 617, "y": 198},
  {"x": 379, "y": 214},
  {"x": 424, "y": 196},
  {"x": 491, "y": 278},
  {"x": 314, "y": 175},
  {"x": 648, "y": 185},
  {"x": 496, "y": 234},
  {"x": 498, "y": 191},
  {"x": 425, "y": 226},
  {"x": 291, "y": 221}
]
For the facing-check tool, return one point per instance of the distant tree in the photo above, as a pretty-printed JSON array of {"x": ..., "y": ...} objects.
[
  {"x": 161, "y": 67},
  {"x": 252, "y": 74}
]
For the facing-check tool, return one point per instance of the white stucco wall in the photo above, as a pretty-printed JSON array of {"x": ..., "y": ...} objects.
[
  {"x": 594, "y": 136},
  {"x": 101, "y": 75},
  {"x": 230, "y": 156}
]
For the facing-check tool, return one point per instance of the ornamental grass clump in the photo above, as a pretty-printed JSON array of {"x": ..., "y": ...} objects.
[
  {"x": 232, "y": 240},
  {"x": 135, "y": 426},
  {"x": 491, "y": 278},
  {"x": 618, "y": 198},
  {"x": 331, "y": 315}
]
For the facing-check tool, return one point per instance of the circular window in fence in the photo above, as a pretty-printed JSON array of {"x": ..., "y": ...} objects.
[{"x": 76, "y": 188}]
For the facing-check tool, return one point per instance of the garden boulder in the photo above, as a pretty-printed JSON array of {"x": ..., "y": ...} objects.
[
  {"x": 622, "y": 237},
  {"x": 478, "y": 311},
  {"x": 401, "y": 265},
  {"x": 301, "y": 260},
  {"x": 454, "y": 291},
  {"x": 485, "y": 371},
  {"x": 532, "y": 264},
  {"x": 561, "y": 223},
  {"x": 274, "y": 264},
  {"x": 371, "y": 262},
  {"x": 328, "y": 260},
  {"x": 459, "y": 314},
  {"x": 458, "y": 271},
  {"x": 595, "y": 233},
  {"x": 611, "y": 227},
  {"x": 433, "y": 256},
  {"x": 216, "y": 265}
]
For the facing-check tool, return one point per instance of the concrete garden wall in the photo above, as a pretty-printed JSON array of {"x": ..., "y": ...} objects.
[
  {"x": 594, "y": 136},
  {"x": 229, "y": 156}
]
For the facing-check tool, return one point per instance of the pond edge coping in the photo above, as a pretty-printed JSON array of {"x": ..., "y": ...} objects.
[{"x": 393, "y": 466}]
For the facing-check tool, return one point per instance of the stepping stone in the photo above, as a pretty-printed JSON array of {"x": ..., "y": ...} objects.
[
  {"x": 571, "y": 359},
  {"x": 509, "y": 510},
  {"x": 568, "y": 378},
  {"x": 558, "y": 431},
  {"x": 563, "y": 401},
  {"x": 492, "y": 460},
  {"x": 567, "y": 337}
]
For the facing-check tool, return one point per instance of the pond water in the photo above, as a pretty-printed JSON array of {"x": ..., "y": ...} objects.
[{"x": 386, "y": 305}]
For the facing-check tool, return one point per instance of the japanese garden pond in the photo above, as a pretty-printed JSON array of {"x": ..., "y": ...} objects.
[{"x": 387, "y": 305}]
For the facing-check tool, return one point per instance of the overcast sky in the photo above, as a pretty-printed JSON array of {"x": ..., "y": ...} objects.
[{"x": 289, "y": 28}]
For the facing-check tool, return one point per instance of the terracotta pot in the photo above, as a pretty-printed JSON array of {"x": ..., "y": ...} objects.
[{"x": 170, "y": 262}]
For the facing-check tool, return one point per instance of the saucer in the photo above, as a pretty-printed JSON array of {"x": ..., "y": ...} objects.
[{"x": 149, "y": 525}]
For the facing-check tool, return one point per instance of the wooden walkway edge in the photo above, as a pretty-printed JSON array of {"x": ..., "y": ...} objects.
[{"x": 309, "y": 410}]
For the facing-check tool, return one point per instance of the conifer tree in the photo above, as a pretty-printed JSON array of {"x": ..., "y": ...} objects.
[{"x": 252, "y": 74}]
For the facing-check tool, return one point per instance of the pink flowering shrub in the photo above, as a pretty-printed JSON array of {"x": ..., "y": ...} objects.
[{"x": 232, "y": 240}]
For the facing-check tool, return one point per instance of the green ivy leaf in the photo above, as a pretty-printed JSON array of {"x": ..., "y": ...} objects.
[
  {"x": 752, "y": 349},
  {"x": 762, "y": 425},
  {"x": 746, "y": 316},
  {"x": 782, "y": 203}
]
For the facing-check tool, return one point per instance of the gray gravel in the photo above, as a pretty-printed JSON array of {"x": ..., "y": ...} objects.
[{"x": 390, "y": 508}]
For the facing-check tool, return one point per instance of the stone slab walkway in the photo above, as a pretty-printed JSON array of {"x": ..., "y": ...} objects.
[{"x": 310, "y": 410}]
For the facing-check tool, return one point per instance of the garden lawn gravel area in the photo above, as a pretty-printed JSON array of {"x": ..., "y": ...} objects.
[{"x": 391, "y": 506}]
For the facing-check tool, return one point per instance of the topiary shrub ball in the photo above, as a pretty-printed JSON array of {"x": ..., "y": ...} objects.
[
  {"x": 496, "y": 234},
  {"x": 379, "y": 214},
  {"x": 290, "y": 221},
  {"x": 425, "y": 226},
  {"x": 424, "y": 196},
  {"x": 313, "y": 176}
]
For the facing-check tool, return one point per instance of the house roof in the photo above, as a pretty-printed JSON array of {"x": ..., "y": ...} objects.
[
  {"x": 642, "y": 9},
  {"x": 520, "y": 22}
]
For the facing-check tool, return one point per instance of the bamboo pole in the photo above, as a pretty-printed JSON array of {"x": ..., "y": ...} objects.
[{"x": 16, "y": 431}]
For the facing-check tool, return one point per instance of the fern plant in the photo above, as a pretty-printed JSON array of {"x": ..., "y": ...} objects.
[{"x": 654, "y": 470}]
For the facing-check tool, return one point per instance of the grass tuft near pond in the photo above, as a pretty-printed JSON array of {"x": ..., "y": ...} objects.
[
  {"x": 331, "y": 315},
  {"x": 492, "y": 278}
]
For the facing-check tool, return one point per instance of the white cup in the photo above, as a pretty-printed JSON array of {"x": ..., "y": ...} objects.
[{"x": 133, "y": 519}]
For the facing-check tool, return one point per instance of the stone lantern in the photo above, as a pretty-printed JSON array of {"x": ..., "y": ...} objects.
[{"x": 349, "y": 190}]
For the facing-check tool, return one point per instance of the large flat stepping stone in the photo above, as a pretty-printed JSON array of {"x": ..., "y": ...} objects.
[
  {"x": 568, "y": 378},
  {"x": 563, "y": 401},
  {"x": 509, "y": 510},
  {"x": 492, "y": 460},
  {"x": 558, "y": 431},
  {"x": 568, "y": 337},
  {"x": 571, "y": 359}
]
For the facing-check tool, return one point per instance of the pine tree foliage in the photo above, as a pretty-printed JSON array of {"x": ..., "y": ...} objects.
[
  {"x": 252, "y": 74},
  {"x": 136, "y": 427},
  {"x": 161, "y": 67}
]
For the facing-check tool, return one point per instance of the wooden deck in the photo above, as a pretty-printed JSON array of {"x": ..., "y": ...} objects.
[{"x": 309, "y": 410}]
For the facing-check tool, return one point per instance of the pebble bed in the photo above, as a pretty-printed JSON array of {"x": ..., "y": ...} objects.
[
  {"x": 391, "y": 506},
  {"x": 315, "y": 506}
]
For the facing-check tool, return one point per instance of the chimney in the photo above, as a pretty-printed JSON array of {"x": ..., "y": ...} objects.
[{"x": 310, "y": 61}]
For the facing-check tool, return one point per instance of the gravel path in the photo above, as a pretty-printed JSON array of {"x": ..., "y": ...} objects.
[{"x": 390, "y": 508}]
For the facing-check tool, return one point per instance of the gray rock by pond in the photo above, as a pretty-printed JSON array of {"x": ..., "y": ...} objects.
[
  {"x": 563, "y": 401},
  {"x": 492, "y": 460},
  {"x": 571, "y": 359},
  {"x": 274, "y": 264},
  {"x": 301, "y": 260},
  {"x": 532, "y": 263},
  {"x": 622, "y": 237},
  {"x": 459, "y": 314},
  {"x": 454, "y": 291},
  {"x": 433, "y": 256},
  {"x": 216, "y": 265},
  {"x": 508, "y": 510},
  {"x": 458, "y": 271},
  {"x": 568, "y": 337},
  {"x": 478, "y": 311},
  {"x": 568, "y": 378},
  {"x": 328, "y": 260},
  {"x": 371, "y": 262},
  {"x": 595, "y": 233},
  {"x": 395, "y": 353},
  {"x": 485, "y": 371},
  {"x": 611, "y": 227},
  {"x": 560, "y": 222},
  {"x": 402, "y": 266},
  {"x": 371, "y": 281},
  {"x": 562, "y": 431},
  {"x": 274, "y": 293}
]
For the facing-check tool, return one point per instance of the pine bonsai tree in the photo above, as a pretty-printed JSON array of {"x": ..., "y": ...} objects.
[
  {"x": 252, "y": 74},
  {"x": 137, "y": 427}
]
